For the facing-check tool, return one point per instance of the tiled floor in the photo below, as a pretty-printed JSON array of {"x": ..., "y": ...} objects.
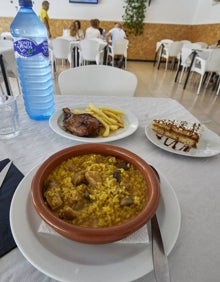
[{"x": 160, "y": 83}]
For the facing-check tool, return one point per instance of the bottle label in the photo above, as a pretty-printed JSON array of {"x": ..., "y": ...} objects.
[{"x": 28, "y": 48}]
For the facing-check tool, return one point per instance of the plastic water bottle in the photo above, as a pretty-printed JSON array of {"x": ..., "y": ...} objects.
[{"x": 32, "y": 57}]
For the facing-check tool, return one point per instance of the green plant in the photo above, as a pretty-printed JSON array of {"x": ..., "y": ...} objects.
[{"x": 134, "y": 15}]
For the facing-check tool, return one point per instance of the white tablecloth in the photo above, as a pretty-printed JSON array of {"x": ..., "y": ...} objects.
[
  {"x": 196, "y": 255},
  {"x": 204, "y": 53}
]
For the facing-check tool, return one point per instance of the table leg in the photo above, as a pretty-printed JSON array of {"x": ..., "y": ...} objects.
[
  {"x": 75, "y": 57},
  {"x": 155, "y": 57},
  {"x": 194, "y": 53},
  {"x": 160, "y": 55},
  {"x": 105, "y": 56},
  {"x": 178, "y": 69}
]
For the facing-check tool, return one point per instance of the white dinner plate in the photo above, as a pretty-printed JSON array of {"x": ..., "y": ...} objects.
[
  {"x": 208, "y": 146},
  {"x": 130, "y": 121},
  {"x": 66, "y": 260}
]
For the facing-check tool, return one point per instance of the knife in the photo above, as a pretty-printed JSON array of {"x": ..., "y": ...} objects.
[
  {"x": 4, "y": 172},
  {"x": 160, "y": 261}
]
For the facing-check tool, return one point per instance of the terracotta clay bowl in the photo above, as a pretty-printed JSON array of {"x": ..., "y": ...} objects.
[{"x": 87, "y": 234}]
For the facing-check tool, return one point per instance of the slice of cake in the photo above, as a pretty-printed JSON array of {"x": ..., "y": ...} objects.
[{"x": 185, "y": 132}]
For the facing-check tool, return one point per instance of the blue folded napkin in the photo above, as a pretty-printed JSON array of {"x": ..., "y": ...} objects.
[{"x": 13, "y": 178}]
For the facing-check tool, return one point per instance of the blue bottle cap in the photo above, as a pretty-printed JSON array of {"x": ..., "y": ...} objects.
[{"x": 25, "y": 3}]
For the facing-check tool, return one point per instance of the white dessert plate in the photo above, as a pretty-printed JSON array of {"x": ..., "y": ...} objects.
[
  {"x": 66, "y": 260},
  {"x": 208, "y": 146},
  {"x": 130, "y": 121}
]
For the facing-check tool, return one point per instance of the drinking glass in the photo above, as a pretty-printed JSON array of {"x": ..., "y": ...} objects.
[{"x": 9, "y": 120}]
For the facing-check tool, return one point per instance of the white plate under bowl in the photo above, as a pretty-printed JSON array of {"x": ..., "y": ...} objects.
[
  {"x": 130, "y": 121},
  {"x": 209, "y": 144},
  {"x": 66, "y": 260}
]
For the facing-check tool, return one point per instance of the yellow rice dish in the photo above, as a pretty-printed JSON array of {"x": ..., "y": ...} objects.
[{"x": 95, "y": 191}]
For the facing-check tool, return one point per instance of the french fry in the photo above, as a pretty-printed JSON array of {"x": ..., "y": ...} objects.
[
  {"x": 119, "y": 112},
  {"x": 114, "y": 127},
  {"x": 114, "y": 116},
  {"x": 111, "y": 119},
  {"x": 78, "y": 112},
  {"x": 101, "y": 114},
  {"x": 107, "y": 128}
]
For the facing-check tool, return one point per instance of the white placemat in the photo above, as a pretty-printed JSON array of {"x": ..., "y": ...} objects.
[{"x": 140, "y": 236}]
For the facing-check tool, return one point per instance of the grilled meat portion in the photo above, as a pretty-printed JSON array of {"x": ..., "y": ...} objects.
[{"x": 83, "y": 125}]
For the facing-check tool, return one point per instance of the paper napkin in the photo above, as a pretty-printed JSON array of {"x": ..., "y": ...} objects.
[
  {"x": 140, "y": 236},
  {"x": 13, "y": 178}
]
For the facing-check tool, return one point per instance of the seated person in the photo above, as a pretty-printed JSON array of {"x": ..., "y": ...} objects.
[
  {"x": 115, "y": 33},
  {"x": 101, "y": 30},
  {"x": 92, "y": 31},
  {"x": 218, "y": 44},
  {"x": 76, "y": 31}
]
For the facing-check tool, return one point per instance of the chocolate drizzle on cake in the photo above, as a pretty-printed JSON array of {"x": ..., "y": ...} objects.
[
  {"x": 185, "y": 132},
  {"x": 173, "y": 144}
]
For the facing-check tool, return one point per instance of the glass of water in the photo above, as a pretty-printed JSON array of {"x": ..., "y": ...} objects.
[{"x": 9, "y": 120}]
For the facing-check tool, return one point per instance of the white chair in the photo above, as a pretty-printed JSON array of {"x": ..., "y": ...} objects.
[
  {"x": 118, "y": 49},
  {"x": 97, "y": 80},
  {"x": 210, "y": 65},
  {"x": 163, "y": 41},
  {"x": 218, "y": 84},
  {"x": 89, "y": 51},
  {"x": 171, "y": 51},
  {"x": 52, "y": 62},
  {"x": 202, "y": 44},
  {"x": 9, "y": 60},
  {"x": 159, "y": 47},
  {"x": 61, "y": 49},
  {"x": 185, "y": 41},
  {"x": 6, "y": 44},
  {"x": 66, "y": 32},
  {"x": 6, "y": 35}
]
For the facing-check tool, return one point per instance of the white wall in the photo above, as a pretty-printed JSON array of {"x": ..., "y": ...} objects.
[
  {"x": 106, "y": 9},
  {"x": 207, "y": 12},
  {"x": 160, "y": 11},
  {"x": 183, "y": 12},
  {"x": 171, "y": 11}
]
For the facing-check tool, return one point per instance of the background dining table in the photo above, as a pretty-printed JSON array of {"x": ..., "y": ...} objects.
[
  {"x": 75, "y": 47},
  {"x": 202, "y": 53},
  {"x": 195, "y": 180}
]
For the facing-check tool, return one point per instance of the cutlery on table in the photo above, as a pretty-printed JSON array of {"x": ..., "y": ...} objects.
[
  {"x": 3, "y": 173},
  {"x": 160, "y": 261}
]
